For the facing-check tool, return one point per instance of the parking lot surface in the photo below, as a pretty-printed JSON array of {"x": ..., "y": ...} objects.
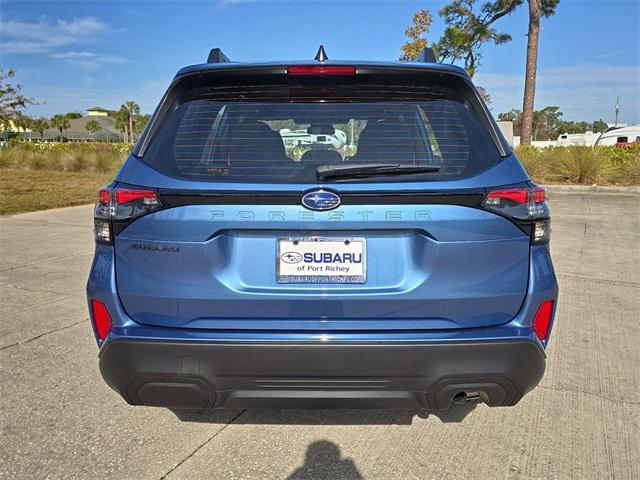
[{"x": 59, "y": 419}]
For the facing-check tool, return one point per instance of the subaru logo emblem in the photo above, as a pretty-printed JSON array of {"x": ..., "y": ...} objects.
[
  {"x": 321, "y": 200},
  {"x": 291, "y": 257}
]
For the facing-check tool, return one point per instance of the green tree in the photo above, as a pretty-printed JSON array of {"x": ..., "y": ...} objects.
[
  {"x": 22, "y": 123},
  {"x": 141, "y": 123},
  {"x": 132, "y": 109},
  {"x": 417, "y": 40},
  {"x": 600, "y": 126},
  {"x": 12, "y": 101},
  {"x": 122, "y": 123},
  {"x": 39, "y": 125},
  {"x": 61, "y": 122},
  {"x": 73, "y": 115},
  {"x": 574, "y": 127},
  {"x": 93, "y": 126},
  {"x": 547, "y": 123},
  {"x": 469, "y": 28},
  {"x": 514, "y": 116},
  {"x": 417, "y": 36}
]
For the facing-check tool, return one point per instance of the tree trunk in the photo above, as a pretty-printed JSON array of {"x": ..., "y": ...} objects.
[
  {"x": 131, "y": 127},
  {"x": 61, "y": 138},
  {"x": 530, "y": 75}
]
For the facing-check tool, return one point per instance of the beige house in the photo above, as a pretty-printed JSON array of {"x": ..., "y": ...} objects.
[
  {"x": 98, "y": 112},
  {"x": 77, "y": 131}
]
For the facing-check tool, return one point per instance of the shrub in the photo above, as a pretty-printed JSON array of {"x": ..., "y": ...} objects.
[
  {"x": 76, "y": 161},
  {"x": 37, "y": 161},
  {"x": 535, "y": 162},
  {"x": 582, "y": 165}
]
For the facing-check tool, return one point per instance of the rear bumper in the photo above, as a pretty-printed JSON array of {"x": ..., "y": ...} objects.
[{"x": 320, "y": 375}]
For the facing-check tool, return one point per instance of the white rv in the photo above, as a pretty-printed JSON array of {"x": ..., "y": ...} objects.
[{"x": 620, "y": 135}]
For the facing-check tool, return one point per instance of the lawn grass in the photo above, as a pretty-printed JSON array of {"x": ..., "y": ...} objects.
[
  {"x": 30, "y": 190},
  {"x": 41, "y": 176}
]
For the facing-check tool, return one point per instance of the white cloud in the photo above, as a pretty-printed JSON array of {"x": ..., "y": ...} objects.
[
  {"x": 89, "y": 60},
  {"x": 583, "y": 92},
  {"x": 45, "y": 35}
]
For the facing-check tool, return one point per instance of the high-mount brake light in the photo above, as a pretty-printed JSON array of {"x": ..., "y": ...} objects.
[
  {"x": 527, "y": 206},
  {"x": 321, "y": 70},
  {"x": 117, "y": 207}
]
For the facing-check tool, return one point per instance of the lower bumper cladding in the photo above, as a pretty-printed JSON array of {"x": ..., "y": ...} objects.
[{"x": 320, "y": 375}]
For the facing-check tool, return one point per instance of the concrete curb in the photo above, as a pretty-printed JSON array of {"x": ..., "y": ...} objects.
[{"x": 633, "y": 190}]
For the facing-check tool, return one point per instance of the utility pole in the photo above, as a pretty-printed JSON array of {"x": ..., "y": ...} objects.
[{"x": 617, "y": 110}]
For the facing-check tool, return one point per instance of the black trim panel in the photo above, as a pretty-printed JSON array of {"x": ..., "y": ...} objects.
[{"x": 176, "y": 198}]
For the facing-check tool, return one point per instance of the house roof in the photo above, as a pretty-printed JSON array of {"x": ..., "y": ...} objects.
[
  {"x": 77, "y": 128},
  {"x": 97, "y": 109}
]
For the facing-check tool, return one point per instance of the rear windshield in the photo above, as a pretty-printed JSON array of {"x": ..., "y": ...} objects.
[{"x": 283, "y": 133}]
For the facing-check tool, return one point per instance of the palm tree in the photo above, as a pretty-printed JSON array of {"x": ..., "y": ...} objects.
[
  {"x": 132, "y": 109},
  {"x": 92, "y": 126},
  {"x": 39, "y": 125},
  {"x": 122, "y": 122},
  {"x": 537, "y": 8},
  {"x": 60, "y": 122},
  {"x": 22, "y": 123}
]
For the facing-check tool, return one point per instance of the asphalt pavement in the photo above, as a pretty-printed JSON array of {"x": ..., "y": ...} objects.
[{"x": 60, "y": 420}]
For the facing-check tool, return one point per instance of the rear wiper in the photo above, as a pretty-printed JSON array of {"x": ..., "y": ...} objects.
[{"x": 326, "y": 172}]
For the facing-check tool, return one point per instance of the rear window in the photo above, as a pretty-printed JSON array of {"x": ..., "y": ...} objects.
[{"x": 283, "y": 133}]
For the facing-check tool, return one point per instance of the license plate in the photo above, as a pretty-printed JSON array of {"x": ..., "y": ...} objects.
[{"x": 321, "y": 260}]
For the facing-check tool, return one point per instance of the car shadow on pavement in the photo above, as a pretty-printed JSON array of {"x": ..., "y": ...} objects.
[{"x": 455, "y": 414}]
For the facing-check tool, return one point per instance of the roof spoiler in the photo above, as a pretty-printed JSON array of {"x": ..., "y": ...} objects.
[
  {"x": 216, "y": 56},
  {"x": 427, "y": 55}
]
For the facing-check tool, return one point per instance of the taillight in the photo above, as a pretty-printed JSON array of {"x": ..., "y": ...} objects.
[
  {"x": 101, "y": 319},
  {"x": 542, "y": 319},
  {"x": 513, "y": 195},
  {"x": 116, "y": 207},
  {"x": 321, "y": 70},
  {"x": 125, "y": 195},
  {"x": 527, "y": 206}
]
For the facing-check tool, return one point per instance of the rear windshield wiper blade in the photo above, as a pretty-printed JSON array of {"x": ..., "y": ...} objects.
[{"x": 326, "y": 172}]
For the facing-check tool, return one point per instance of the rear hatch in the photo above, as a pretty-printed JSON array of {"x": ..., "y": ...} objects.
[{"x": 347, "y": 201}]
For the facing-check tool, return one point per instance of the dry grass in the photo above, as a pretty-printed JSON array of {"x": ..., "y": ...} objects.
[
  {"x": 92, "y": 157},
  {"x": 38, "y": 177},
  {"x": 30, "y": 190}
]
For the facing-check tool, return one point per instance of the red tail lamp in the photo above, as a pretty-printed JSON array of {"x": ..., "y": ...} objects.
[
  {"x": 101, "y": 318},
  {"x": 542, "y": 320}
]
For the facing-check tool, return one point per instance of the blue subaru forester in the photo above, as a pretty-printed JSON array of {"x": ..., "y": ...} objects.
[{"x": 322, "y": 234}]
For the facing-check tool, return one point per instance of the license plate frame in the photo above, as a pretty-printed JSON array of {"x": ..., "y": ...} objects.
[{"x": 286, "y": 275}]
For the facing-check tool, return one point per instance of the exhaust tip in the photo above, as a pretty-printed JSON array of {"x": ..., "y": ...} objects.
[{"x": 459, "y": 398}]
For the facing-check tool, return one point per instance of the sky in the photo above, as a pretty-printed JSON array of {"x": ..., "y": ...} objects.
[{"x": 72, "y": 55}]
